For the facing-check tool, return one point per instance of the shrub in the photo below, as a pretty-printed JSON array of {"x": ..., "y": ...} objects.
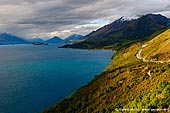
[
  {"x": 162, "y": 85},
  {"x": 167, "y": 67},
  {"x": 166, "y": 92}
]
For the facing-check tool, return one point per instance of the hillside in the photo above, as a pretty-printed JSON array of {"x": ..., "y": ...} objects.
[
  {"x": 127, "y": 83},
  {"x": 122, "y": 33},
  {"x": 158, "y": 49},
  {"x": 6, "y": 38}
]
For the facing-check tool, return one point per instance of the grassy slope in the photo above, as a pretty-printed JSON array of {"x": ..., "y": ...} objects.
[
  {"x": 159, "y": 47},
  {"x": 124, "y": 84}
]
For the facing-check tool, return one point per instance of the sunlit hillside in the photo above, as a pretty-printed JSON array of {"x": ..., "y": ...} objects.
[{"x": 158, "y": 49}]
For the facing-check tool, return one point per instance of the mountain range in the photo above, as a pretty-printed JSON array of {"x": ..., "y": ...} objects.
[
  {"x": 116, "y": 35},
  {"x": 72, "y": 38},
  {"x": 6, "y": 38},
  {"x": 122, "y": 32}
]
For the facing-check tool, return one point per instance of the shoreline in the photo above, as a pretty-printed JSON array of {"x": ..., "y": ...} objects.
[{"x": 64, "y": 98}]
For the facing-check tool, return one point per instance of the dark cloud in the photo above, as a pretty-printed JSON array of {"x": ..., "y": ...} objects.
[{"x": 46, "y": 18}]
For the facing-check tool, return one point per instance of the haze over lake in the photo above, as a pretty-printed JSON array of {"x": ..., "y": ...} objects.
[{"x": 33, "y": 78}]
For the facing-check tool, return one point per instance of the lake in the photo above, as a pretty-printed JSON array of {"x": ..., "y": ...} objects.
[{"x": 33, "y": 78}]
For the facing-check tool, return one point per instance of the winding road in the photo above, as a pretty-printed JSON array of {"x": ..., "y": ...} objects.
[{"x": 138, "y": 56}]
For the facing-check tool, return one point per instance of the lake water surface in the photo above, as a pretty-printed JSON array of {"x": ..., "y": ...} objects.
[{"x": 33, "y": 78}]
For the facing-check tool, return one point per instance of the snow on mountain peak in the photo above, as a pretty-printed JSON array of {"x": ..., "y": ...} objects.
[{"x": 129, "y": 18}]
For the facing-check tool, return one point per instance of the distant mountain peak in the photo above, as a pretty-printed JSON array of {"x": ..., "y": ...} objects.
[
  {"x": 6, "y": 38},
  {"x": 73, "y": 37},
  {"x": 55, "y": 39},
  {"x": 5, "y": 33}
]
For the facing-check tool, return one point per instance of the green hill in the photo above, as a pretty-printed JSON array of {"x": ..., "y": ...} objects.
[{"x": 128, "y": 83}]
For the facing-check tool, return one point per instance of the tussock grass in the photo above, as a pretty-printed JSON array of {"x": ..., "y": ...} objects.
[{"x": 158, "y": 48}]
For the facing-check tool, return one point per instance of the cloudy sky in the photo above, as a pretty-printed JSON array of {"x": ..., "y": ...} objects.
[{"x": 47, "y": 18}]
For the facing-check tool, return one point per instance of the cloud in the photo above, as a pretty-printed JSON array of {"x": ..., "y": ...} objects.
[{"x": 46, "y": 18}]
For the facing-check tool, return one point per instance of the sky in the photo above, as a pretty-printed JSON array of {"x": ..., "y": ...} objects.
[{"x": 48, "y": 18}]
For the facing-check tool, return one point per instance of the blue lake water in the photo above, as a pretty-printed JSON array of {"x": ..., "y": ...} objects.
[{"x": 33, "y": 78}]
